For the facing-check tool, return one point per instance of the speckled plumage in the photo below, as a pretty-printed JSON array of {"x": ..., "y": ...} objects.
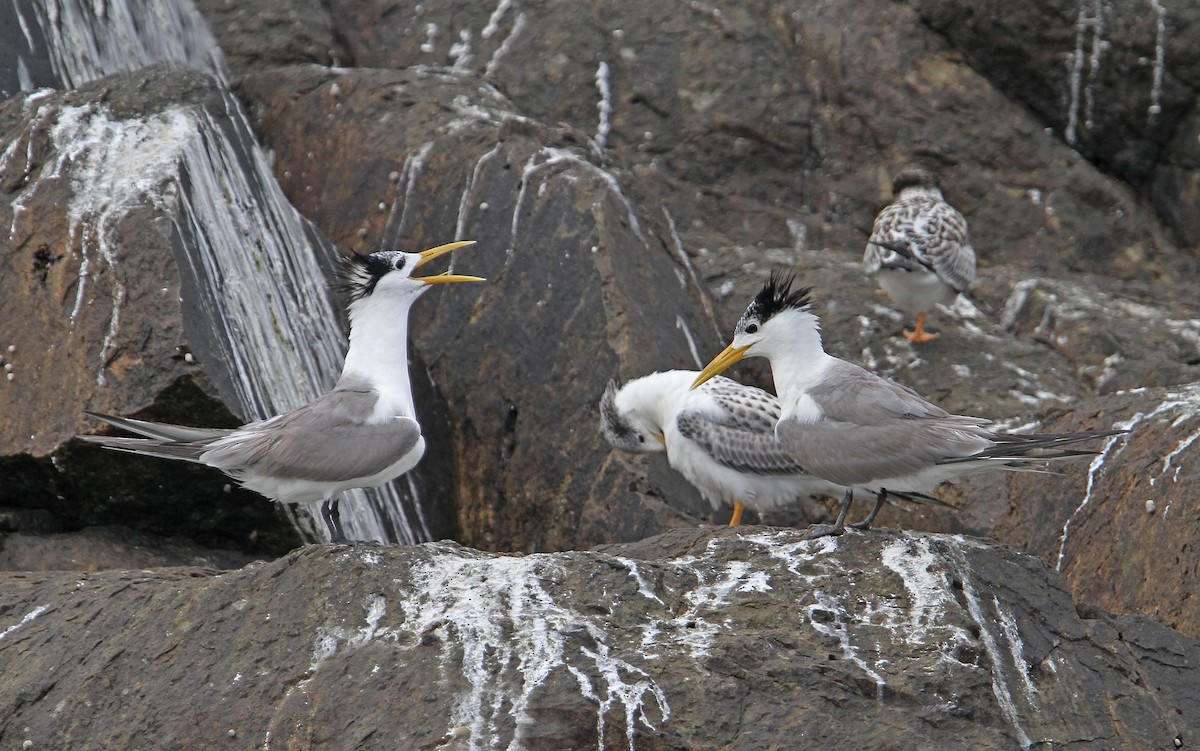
[{"x": 919, "y": 249}]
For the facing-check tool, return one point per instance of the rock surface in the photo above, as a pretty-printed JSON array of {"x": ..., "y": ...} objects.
[
  {"x": 698, "y": 639},
  {"x": 1136, "y": 517},
  {"x": 1116, "y": 80},
  {"x": 579, "y": 284},
  {"x": 96, "y": 209},
  {"x": 99, "y": 548},
  {"x": 691, "y": 146}
]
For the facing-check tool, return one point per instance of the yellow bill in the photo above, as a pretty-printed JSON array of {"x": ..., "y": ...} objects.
[
  {"x": 444, "y": 277},
  {"x": 720, "y": 363},
  {"x": 447, "y": 277},
  {"x": 441, "y": 250}
]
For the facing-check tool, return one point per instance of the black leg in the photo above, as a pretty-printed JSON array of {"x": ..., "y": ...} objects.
[
  {"x": 880, "y": 497},
  {"x": 839, "y": 526},
  {"x": 333, "y": 520}
]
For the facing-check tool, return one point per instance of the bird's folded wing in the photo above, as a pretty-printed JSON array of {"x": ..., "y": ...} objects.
[
  {"x": 752, "y": 451},
  {"x": 183, "y": 450},
  {"x": 890, "y": 251},
  {"x": 954, "y": 263},
  {"x": 871, "y": 428},
  {"x": 850, "y": 454},
  {"x": 1018, "y": 448},
  {"x": 327, "y": 440},
  {"x": 944, "y": 245},
  {"x": 849, "y": 393},
  {"x": 741, "y": 406}
]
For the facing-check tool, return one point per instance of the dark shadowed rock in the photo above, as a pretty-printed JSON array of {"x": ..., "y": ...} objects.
[
  {"x": 694, "y": 640},
  {"x": 270, "y": 33},
  {"x": 1115, "y": 80},
  {"x": 99, "y": 548},
  {"x": 1175, "y": 190}
]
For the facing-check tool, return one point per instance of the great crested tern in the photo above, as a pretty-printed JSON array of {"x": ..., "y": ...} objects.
[
  {"x": 919, "y": 250},
  {"x": 854, "y": 428},
  {"x": 362, "y": 433},
  {"x": 720, "y": 437}
]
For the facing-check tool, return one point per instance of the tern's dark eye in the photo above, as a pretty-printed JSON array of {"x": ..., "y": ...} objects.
[
  {"x": 751, "y": 328},
  {"x": 641, "y": 438},
  {"x": 400, "y": 261}
]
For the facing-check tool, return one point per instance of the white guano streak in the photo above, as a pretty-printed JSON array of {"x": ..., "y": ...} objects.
[
  {"x": 25, "y": 621},
  {"x": 1172, "y": 402},
  {"x": 999, "y": 682},
  {"x": 505, "y": 625},
  {"x": 604, "y": 107},
  {"x": 113, "y": 166},
  {"x": 1084, "y": 23},
  {"x": 87, "y": 40},
  {"x": 927, "y": 586}
]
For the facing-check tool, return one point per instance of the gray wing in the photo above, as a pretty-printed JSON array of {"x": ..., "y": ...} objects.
[
  {"x": 327, "y": 440},
  {"x": 872, "y": 428},
  {"x": 740, "y": 434},
  {"x": 933, "y": 233},
  {"x": 854, "y": 395}
]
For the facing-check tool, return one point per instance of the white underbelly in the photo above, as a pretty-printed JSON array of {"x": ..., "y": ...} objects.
[{"x": 916, "y": 291}]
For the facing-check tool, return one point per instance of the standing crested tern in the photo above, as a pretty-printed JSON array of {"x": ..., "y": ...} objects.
[
  {"x": 720, "y": 437},
  {"x": 361, "y": 434},
  {"x": 919, "y": 249},
  {"x": 856, "y": 429}
]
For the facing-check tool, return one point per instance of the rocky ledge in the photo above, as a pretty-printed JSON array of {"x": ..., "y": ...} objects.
[{"x": 695, "y": 639}]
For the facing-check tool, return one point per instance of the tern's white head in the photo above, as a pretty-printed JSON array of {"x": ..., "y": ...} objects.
[
  {"x": 779, "y": 324},
  {"x": 631, "y": 422},
  {"x": 387, "y": 275},
  {"x": 382, "y": 288}
]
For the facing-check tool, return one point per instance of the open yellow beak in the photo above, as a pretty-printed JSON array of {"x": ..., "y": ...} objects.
[
  {"x": 444, "y": 278},
  {"x": 720, "y": 363}
]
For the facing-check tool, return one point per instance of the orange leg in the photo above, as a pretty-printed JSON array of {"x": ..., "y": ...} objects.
[
  {"x": 920, "y": 335},
  {"x": 739, "y": 508}
]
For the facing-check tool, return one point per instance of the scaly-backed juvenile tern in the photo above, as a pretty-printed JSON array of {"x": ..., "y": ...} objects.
[
  {"x": 919, "y": 249},
  {"x": 856, "y": 429},
  {"x": 361, "y": 434},
  {"x": 720, "y": 437}
]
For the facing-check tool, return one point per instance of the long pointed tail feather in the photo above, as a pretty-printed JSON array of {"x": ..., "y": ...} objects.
[
  {"x": 159, "y": 430},
  {"x": 189, "y": 452},
  {"x": 1015, "y": 449}
]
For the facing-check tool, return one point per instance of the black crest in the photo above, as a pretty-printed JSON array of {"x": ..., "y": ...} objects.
[
  {"x": 359, "y": 273},
  {"x": 777, "y": 295}
]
